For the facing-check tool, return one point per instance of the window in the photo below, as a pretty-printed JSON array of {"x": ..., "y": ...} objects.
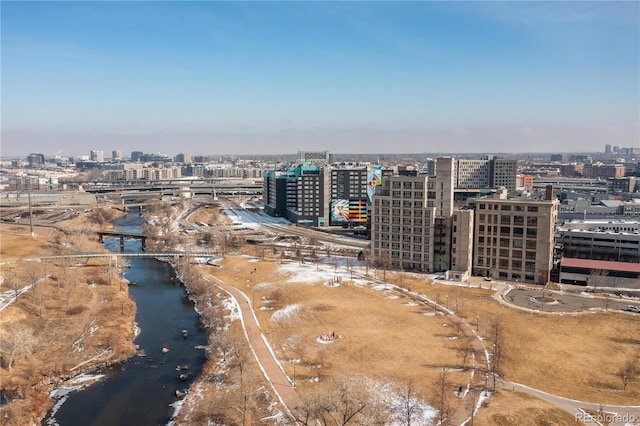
[
  {"x": 483, "y": 206},
  {"x": 531, "y": 245},
  {"x": 532, "y": 221},
  {"x": 505, "y": 220},
  {"x": 505, "y": 208},
  {"x": 532, "y": 232},
  {"x": 517, "y": 242},
  {"x": 481, "y": 228},
  {"x": 532, "y": 209}
]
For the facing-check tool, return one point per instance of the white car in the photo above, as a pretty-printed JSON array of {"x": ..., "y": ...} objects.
[{"x": 633, "y": 308}]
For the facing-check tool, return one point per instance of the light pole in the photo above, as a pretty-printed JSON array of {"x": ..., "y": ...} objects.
[{"x": 30, "y": 207}]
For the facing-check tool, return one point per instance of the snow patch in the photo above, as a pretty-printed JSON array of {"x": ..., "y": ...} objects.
[{"x": 285, "y": 313}]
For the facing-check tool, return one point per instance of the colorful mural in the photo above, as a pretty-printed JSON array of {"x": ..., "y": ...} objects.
[
  {"x": 343, "y": 211},
  {"x": 374, "y": 178}
]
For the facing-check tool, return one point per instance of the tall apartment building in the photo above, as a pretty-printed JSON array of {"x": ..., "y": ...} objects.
[
  {"x": 183, "y": 158},
  {"x": 297, "y": 194},
  {"x": 136, "y": 156},
  {"x": 35, "y": 160},
  {"x": 410, "y": 220},
  {"x": 97, "y": 156},
  {"x": 348, "y": 196},
  {"x": 514, "y": 238},
  {"x": 487, "y": 173},
  {"x": 315, "y": 157},
  {"x": 116, "y": 155}
]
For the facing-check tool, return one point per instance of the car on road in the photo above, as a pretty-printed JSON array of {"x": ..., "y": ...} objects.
[{"x": 633, "y": 308}]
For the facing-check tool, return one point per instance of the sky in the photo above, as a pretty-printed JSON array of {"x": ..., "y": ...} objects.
[{"x": 270, "y": 77}]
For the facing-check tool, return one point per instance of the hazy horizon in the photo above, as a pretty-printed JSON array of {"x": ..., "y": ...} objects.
[{"x": 242, "y": 78}]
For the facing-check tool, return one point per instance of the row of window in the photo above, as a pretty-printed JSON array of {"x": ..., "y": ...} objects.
[
  {"x": 507, "y": 207},
  {"x": 508, "y": 220},
  {"x": 504, "y": 242}
]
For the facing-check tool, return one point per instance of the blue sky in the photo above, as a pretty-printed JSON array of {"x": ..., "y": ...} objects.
[{"x": 277, "y": 77}]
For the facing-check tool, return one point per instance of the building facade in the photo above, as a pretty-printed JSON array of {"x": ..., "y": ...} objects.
[{"x": 514, "y": 239}]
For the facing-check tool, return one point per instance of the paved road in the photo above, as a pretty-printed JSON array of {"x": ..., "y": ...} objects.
[
  {"x": 563, "y": 301},
  {"x": 280, "y": 382}
]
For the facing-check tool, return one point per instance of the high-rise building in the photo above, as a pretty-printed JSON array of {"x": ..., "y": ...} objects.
[
  {"x": 487, "y": 173},
  {"x": 116, "y": 155},
  {"x": 607, "y": 149},
  {"x": 410, "y": 220},
  {"x": 315, "y": 157},
  {"x": 136, "y": 155},
  {"x": 35, "y": 160},
  {"x": 348, "y": 196},
  {"x": 514, "y": 238},
  {"x": 97, "y": 156},
  {"x": 183, "y": 158}
]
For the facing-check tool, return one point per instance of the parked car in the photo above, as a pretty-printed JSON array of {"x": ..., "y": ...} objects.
[{"x": 633, "y": 308}]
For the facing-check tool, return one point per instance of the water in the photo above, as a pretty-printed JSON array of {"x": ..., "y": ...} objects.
[{"x": 139, "y": 391}]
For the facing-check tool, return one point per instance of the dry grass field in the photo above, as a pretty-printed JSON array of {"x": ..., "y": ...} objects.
[
  {"x": 575, "y": 356},
  {"x": 517, "y": 409},
  {"x": 72, "y": 312},
  {"x": 382, "y": 336}
]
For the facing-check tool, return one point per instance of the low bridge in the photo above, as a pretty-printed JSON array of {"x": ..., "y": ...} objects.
[{"x": 122, "y": 236}]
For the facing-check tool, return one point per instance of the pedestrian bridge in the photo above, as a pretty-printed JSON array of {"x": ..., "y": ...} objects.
[{"x": 122, "y": 254}]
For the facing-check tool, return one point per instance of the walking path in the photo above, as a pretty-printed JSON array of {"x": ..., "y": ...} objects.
[
  {"x": 280, "y": 382},
  {"x": 480, "y": 358},
  {"x": 613, "y": 414}
]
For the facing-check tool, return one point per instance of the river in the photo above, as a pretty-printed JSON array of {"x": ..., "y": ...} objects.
[{"x": 140, "y": 390}]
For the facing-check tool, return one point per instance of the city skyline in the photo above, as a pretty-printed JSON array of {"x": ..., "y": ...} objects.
[{"x": 275, "y": 77}]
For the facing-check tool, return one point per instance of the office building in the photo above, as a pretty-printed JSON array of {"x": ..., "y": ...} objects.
[
  {"x": 315, "y": 157},
  {"x": 514, "y": 238},
  {"x": 97, "y": 156},
  {"x": 616, "y": 240}
]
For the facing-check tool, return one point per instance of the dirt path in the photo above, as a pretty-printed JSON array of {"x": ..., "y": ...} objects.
[{"x": 280, "y": 382}]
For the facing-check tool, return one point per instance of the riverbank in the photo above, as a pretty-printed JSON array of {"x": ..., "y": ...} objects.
[{"x": 74, "y": 317}]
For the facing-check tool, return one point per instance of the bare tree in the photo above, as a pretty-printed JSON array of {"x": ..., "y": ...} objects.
[
  {"x": 628, "y": 372},
  {"x": 442, "y": 396},
  {"x": 597, "y": 278},
  {"x": 407, "y": 409},
  {"x": 342, "y": 402},
  {"x": 497, "y": 352},
  {"x": 465, "y": 350},
  {"x": 20, "y": 342}
]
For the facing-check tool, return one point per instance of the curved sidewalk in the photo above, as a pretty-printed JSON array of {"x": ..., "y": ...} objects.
[
  {"x": 272, "y": 370},
  {"x": 626, "y": 414}
]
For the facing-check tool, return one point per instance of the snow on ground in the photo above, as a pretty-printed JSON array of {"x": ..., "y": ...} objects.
[
  {"x": 308, "y": 273},
  {"x": 253, "y": 219},
  {"x": 9, "y": 296},
  {"x": 233, "y": 308},
  {"x": 285, "y": 313},
  {"x": 62, "y": 393},
  {"x": 394, "y": 396}
]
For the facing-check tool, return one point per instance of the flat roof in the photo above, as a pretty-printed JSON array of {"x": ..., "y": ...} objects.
[{"x": 600, "y": 264}]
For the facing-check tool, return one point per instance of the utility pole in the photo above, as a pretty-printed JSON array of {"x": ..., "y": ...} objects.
[{"x": 30, "y": 208}]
